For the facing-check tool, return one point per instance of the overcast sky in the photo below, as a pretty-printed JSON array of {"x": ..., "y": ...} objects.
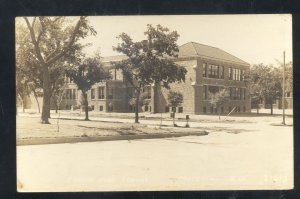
[{"x": 252, "y": 38}]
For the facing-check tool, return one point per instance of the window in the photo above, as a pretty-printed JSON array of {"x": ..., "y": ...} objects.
[
  {"x": 110, "y": 93},
  {"x": 221, "y": 72},
  {"x": 146, "y": 108},
  {"x": 242, "y": 75},
  {"x": 93, "y": 107},
  {"x": 236, "y": 74},
  {"x": 167, "y": 109},
  {"x": 131, "y": 108},
  {"x": 204, "y": 69},
  {"x": 213, "y": 89},
  {"x": 243, "y": 93},
  {"x": 222, "y": 109},
  {"x": 70, "y": 94},
  {"x": 213, "y": 71},
  {"x": 244, "y": 109},
  {"x": 205, "y": 92},
  {"x": 92, "y": 93},
  {"x": 229, "y": 109},
  {"x": 74, "y": 94},
  {"x": 100, "y": 92},
  {"x": 67, "y": 93},
  {"x": 110, "y": 107},
  {"x": 236, "y": 93},
  {"x": 211, "y": 109},
  {"x": 101, "y": 108},
  {"x": 147, "y": 91},
  {"x": 230, "y": 73},
  {"x": 180, "y": 109},
  {"x": 204, "y": 109},
  {"x": 174, "y": 109}
]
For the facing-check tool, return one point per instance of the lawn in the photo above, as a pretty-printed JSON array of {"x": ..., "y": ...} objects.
[{"x": 30, "y": 127}]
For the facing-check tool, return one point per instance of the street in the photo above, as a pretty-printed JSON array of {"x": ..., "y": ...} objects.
[{"x": 261, "y": 159}]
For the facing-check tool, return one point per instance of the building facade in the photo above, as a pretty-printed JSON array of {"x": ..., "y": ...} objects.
[{"x": 209, "y": 69}]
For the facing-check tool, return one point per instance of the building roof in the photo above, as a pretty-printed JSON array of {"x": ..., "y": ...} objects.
[
  {"x": 114, "y": 58},
  {"x": 193, "y": 49}
]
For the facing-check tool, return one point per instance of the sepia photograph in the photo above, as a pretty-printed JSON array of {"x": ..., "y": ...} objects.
[{"x": 154, "y": 103}]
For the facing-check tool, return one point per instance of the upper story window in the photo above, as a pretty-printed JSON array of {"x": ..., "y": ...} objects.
[
  {"x": 110, "y": 93},
  {"x": 70, "y": 94},
  {"x": 68, "y": 79},
  {"x": 101, "y": 92},
  {"x": 74, "y": 94},
  {"x": 221, "y": 72},
  {"x": 92, "y": 93},
  {"x": 204, "y": 69},
  {"x": 236, "y": 74},
  {"x": 147, "y": 91},
  {"x": 213, "y": 71}
]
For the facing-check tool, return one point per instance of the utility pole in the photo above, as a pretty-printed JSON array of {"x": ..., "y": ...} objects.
[{"x": 283, "y": 90}]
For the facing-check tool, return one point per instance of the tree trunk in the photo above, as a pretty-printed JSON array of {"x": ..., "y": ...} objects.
[
  {"x": 137, "y": 105},
  {"x": 271, "y": 107},
  {"x": 56, "y": 108},
  {"x": 174, "y": 118},
  {"x": 86, "y": 106},
  {"x": 23, "y": 105},
  {"x": 257, "y": 110},
  {"x": 220, "y": 114},
  {"x": 46, "y": 98},
  {"x": 37, "y": 101}
]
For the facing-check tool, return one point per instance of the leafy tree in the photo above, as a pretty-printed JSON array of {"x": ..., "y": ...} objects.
[
  {"x": 22, "y": 88},
  {"x": 85, "y": 75},
  {"x": 142, "y": 100},
  {"x": 51, "y": 40},
  {"x": 175, "y": 99},
  {"x": 149, "y": 60},
  {"x": 219, "y": 99},
  {"x": 265, "y": 83},
  {"x": 289, "y": 76}
]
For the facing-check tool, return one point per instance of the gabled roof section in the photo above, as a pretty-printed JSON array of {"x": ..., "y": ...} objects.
[{"x": 193, "y": 49}]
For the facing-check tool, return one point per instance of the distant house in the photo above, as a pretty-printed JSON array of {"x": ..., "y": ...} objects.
[{"x": 209, "y": 69}]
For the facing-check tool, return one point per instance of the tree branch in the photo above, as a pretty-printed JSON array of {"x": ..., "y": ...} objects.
[
  {"x": 68, "y": 46},
  {"x": 36, "y": 46},
  {"x": 33, "y": 22},
  {"x": 42, "y": 31}
]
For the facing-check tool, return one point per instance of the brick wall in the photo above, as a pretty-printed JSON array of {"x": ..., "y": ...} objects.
[
  {"x": 192, "y": 88},
  {"x": 185, "y": 88}
]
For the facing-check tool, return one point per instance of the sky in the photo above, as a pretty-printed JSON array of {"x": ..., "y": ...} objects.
[{"x": 252, "y": 38}]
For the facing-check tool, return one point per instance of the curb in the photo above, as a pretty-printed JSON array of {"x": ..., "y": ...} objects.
[{"x": 40, "y": 141}]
